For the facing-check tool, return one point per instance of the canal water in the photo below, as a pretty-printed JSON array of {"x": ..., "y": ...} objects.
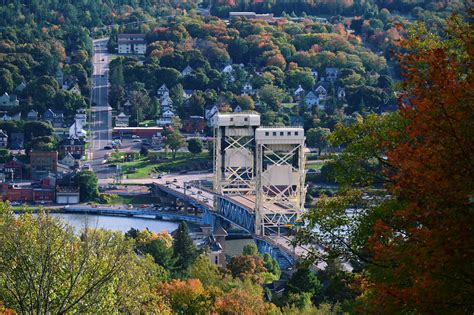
[{"x": 123, "y": 224}]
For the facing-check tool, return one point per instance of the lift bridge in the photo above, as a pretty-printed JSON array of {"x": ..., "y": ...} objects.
[{"x": 258, "y": 182}]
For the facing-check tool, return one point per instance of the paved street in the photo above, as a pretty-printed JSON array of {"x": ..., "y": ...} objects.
[{"x": 101, "y": 114}]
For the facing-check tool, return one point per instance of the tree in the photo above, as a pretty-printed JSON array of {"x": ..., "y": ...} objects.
[
  {"x": 186, "y": 297},
  {"x": 88, "y": 185},
  {"x": 245, "y": 102},
  {"x": 143, "y": 151},
  {"x": 45, "y": 267},
  {"x": 317, "y": 137},
  {"x": 250, "y": 250},
  {"x": 174, "y": 141},
  {"x": 205, "y": 271},
  {"x": 195, "y": 146},
  {"x": 424, "y": 246},
  {"x": 248, "y": 266},
  {"x": 303, "y": 280},
  {"x": 184, "y": 250},
  {"x": 272, "y": 96}
]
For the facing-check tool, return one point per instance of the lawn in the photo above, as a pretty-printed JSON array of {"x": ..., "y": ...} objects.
[
  {"x": 133, "y": 200},
  {"x": 143, "y": 167},
  {"x": 314, "y": 165}
]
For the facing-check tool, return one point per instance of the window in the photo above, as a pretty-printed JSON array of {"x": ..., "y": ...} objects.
[
  {"x": 231, "y": 118},
  {"x": 246, "y": 119},
  {"x": 281, "y": 133},
  {"x": 289, "y": 133},
  {"x": 296, "y": 133},
  {"x": 267, "y": 133},
  {"x": 274, "y": 133}
]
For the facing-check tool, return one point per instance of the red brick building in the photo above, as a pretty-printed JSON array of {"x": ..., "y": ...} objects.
[
  {"x": 42, "y": 163},
  {"x": 27, "y": 193},
  {"x": 194, "y": 124}
]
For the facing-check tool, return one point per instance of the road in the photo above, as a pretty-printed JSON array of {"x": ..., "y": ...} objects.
[{"x": 101, "y": 113}]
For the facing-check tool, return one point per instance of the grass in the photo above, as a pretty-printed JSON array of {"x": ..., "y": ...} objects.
[
  {"x": 314, "y": 165},
  {"x": 148, "y": 123},
  {"x": 125, "y": 200},
  {"x": 143, "y": 167}
]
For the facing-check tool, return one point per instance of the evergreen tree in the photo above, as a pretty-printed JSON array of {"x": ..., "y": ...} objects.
[{"x": 184, "y": 250}]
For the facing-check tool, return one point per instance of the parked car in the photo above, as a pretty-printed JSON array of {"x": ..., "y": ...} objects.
[
  {"x": 135, "y": 137},
  {"x": 175, "y": 180},
  {"x": 137, "y": 140},
  {"x": 108, "y": 147}
]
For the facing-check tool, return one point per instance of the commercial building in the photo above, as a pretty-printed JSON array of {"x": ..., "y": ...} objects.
[{"x": 131, "y": 44}]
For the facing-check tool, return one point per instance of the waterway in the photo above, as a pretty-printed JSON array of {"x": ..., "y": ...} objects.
[{"x": 123, "y": 224}]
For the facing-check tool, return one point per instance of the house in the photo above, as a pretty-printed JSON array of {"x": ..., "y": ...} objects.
[
  {"x": 209, "y": 113},
  {"x": 81, "y": 116},
  {"x": 16, "y": 117},
  {"x": 194, "y": 124},
  {"x": 186, "y": 71},
  {"x": 131, "y": 44},
  {"x": 341, "y": 93},
  {"x": 321, "y": 92},
  {"x": 166, "y": 103},
  {"x": 331, "y": 74},
  {"x": 299, "y": 92},
  {"x": 311, "y": 99},
  {"x": 75, "y": 89},
  {"x": 314, "y": 73},
  {"x": 56, "y": 118},
  {"x": 20, "y": 87},
  {"x": 237, "y": 109},
  {"x": 3, "y": 139},
  {"x": 228, "y": 69},
  {"x": 247, "y": 89},
  {"x": 187, "y": 93},
  {"x": 68, "y": 160},
  {"x": 165, "y": 118},
  {"x": 67, "y": 195},
  {"x": 14, "y": 169},
  {"x": 162, "y": 91},
  {"x": 75, "y": 146},
  {"x": 122, "y": 120},
  {"x": 43, "y": 163},
  {"x": 17, "y": 140},
  {"x": 32, "y": 115},
  {"x": 76, "y": 130},
  {"x": 9, "y": 100}
]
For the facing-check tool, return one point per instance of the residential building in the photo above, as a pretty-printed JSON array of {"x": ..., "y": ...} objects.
[
  {"x": 187, "y": 93},
  {"x": 122, "y": 120},
  {"x": 314, "y": 73},
  {"x": 44, "y": 192},
  {"x": 165, "y": 118},
  {"x": 194, "y": 124},
  {"x": 32, "y": 115},
  {"x": 9, "y": 100},
  {"x": 20, "y": 87},
  {"x": 68, "y": 160},
  {"x": 228, "y": 69},
  {"x": 81, "y": 116},
  {"x": 162, "y": 91},
  {"x": 76, "y": 130},
  {"x": 311, "y": 99},
  {"x": 209, "y": 113},
  {"x": 3, "y": 139},
  {"x": 341, "y": 93},
  {"x": 321, "y": 92},
  {"x": 75, "y": 146},
  {"x": 186, "y": 71},
  {"x": 131, "y": 44},
  {"x": 75, "y": 89},
  {"x": 56, "y": 118},
  {"x": 14, "y": 169},
  {"x": 331, "y": 74},
  {"x": 247, "y": 89},
  {"x": 6, "y": 117},
  {"x": 42, "y": 163},
  {"x": 237, "y": 109},
  {"x": 299, "y": 93}
]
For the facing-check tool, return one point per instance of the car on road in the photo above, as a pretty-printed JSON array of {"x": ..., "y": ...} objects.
[
  {"x": 135, "y": 137},
  {"x": 112, "y": 165},
  {"x": 15, "y": 203},
  {"x": 177, "y": 186},
  {"x": 188, "y": 187},
  {"x": 175, "y": 180},
  {"x": 108, "y": 147},
  {"x": 137, "y": 140}
]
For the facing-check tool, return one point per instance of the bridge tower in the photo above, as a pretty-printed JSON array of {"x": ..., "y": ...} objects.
[
  {"x": 234, "y": 153},
  {"x": 280, "y": 174}
]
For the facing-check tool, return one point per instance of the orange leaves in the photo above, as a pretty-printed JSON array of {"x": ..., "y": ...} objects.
[{"x": 428, "y": 242}]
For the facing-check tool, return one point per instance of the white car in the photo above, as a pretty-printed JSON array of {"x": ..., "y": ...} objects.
[
  {"x": 137, "y": 140},
  {"x": 135, "y": 137}
]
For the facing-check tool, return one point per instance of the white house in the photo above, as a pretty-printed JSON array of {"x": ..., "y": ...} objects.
[
  {"x": 122, "y": 120},
  {"x": 9, "y": 100},
  {"x": 20, "y": 87},
  {"x": 32, "y": 115},
  {"x": 341, "y": 93},
  {"x": 131, "y": 44},
  {"x": 298, "y": 91},
  {"x": 228, "y": 69},
  {"x": 187, "y": 71},
  {"x": 6, "y": 117},
  {"x": 166, "y": 102},
  {"x": 81, "y": 116},
  {"x": 321, "y": 92},
  {"x": 162, "y": 91},
  {"x": 76, "y": 130},
  {"x": 165, "y": 118},
  {"x": 68, "y": 160},
  {"x": 209, "y": 113},
  {"x": 187, "y": 93}
]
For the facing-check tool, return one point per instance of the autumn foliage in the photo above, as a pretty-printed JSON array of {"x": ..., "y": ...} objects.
[{"x": 425, "y": 251}]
